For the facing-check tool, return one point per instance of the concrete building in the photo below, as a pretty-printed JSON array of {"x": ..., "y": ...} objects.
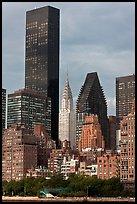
[
  {"x": 57, "y": 156},
  {"x": 108, "y": 166},
  {"x": 91, "y": 100},
  {"x": 125, "y": 93},
  {"x": 3, "y": 108},
  {"x": 67, "y": 117},
  {"x": 55, "y": 161},
  {"x": 69, "y": 166},
  {"x": 127, "y": 147},
  {"x": 19, "y": 152},
  {"x": 26, "y": 106},
  {"x": 87, "y": 169},
  {"x": 38, "y": 172},
  {"x": 42, "y": 57},
  {"x": 91, "y": 137}
]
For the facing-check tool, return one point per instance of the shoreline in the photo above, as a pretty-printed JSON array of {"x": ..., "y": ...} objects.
[{"x": 66, "y": 199}]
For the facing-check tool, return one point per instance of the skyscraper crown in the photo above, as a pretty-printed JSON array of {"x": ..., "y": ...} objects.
[{"x": 67, "y": 99}]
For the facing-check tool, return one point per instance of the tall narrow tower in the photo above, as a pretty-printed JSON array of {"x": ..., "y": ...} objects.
[
  {"x": 91, "y": 100},
  {"x": 67, "y": 117},
  {"x": 125, "y": 93},
  {"x": 42, "y": 57}
]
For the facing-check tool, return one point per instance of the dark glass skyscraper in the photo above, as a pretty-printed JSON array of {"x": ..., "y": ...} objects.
[
  {"x": 125, "y": 94},
  {"x": 30, "y": 108},
  {"x": 42, "y": 57},
  {"x": 91, "y": 100}
]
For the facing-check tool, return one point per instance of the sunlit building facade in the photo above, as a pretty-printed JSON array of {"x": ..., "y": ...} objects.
[
  {"x": 3, "y": 108},
  {"x": 91, "y": 137},
  {"x": 19, "y": 152},
  {"x": 67, "y": 121},
  {"x": 127, "y": 146}
]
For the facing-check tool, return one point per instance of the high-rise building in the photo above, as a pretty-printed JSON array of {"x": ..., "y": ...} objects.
[
  {"x": 42, "y": 57},
  {"x": 125, "y": 93},
  {"x": 127, "y": 146},
  {"x": 45, "y": 144},
  {"x": 3, "y": 108},
  {"x": 67, "y": 121},
  {"x": 19, "y": 152},
  {"x": 112, "y": 132},
  {"x": 91, "y": 137},
  {"x": 80, "y": 117},
  {"x": 91, "y": 100},
  {"x": 26, "y": 106}
]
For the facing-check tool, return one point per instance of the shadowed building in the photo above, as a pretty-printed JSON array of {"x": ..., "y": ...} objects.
[
  {"x": 112, "y": 132},
  {"x": 91, "y": 100},
  {"x": 125, "y": 93},
  {"x": 45, "y": 144},
  {"x": 26, "y": 106},
  {"x": 42, "y": 57}
]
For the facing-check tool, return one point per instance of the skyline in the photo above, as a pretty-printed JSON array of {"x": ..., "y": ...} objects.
[{"x": 99, "y": 36}]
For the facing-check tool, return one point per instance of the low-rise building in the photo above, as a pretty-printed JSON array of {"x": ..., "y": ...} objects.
[
  {"x": 37, "y": 172},
  {"x": 87, "y": 169},
  {"x": 108, "y": 166}
]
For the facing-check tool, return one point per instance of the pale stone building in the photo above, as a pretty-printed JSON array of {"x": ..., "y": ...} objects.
[{"x": 67, "y": 116}]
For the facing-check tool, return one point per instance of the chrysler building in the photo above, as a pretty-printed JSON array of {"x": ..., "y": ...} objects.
[{"x": 67, "y": 116}]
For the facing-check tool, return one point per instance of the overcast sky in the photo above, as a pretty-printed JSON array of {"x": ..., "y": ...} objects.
[{"x": 94, "y": 36}]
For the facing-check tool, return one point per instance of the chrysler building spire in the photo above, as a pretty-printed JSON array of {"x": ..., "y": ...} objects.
[
  {"x": 67, "y": 99},
  {"x": 67, "y": 116}
]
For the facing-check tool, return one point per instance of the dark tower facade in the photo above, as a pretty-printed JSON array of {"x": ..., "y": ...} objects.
[
  {"x": 30, "y": 108},
  {"x": 42, "y": 57},
  {"x": 125, "y": 94},
  {"x": 91, "y": 100}
]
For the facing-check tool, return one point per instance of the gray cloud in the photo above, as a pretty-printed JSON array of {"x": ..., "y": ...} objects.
[{"x": 95, "y": 36}]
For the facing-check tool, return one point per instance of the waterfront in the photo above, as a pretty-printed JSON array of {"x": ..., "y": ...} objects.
[{"x": 67, "y": 199}]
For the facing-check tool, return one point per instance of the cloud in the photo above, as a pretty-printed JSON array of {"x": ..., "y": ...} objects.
[{"x": 94, "y": 36}]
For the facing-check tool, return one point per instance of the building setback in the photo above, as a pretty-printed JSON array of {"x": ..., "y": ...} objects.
[
  {"x": 125, "y": 93},
  {"x": 67, "y": 121},
  {"x": 19, "y": 152},
  {"x": 45, "y": 144},
  {"x": 91, "y": 100},
  {"x": 3, "y": 108},
  {"x": 91, "y": 137},
  {"x": 26, "y": 106},
  {"x": 127, "y": 147},
  {"x": 42, "y": 57}
]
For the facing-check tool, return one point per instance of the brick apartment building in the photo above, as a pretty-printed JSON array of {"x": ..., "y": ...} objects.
[
  {"x": 19, "y": 152},
  {"x": 45, "y": 144},
  {"x": 108, "y": 166},
  {"x": 91, "y": 136},
  {"x": 127, "y": 147}
]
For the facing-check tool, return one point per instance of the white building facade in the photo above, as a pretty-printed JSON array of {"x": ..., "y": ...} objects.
[{"x": 67, "y": 117}]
